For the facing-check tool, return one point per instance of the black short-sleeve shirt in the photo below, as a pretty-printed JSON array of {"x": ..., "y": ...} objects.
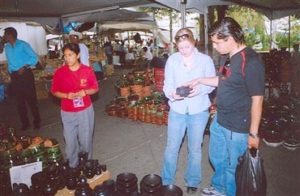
[{"x": 241, "y": 77}]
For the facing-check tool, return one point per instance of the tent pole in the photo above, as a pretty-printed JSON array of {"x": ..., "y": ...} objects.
[
  {"x": 183, "y": 12},
  {"x": 171, "y": 31},
  {"x": 289, "y": 34},
  {"x": 128, "y": 37},
  {"x": 206, "y": 30},
  {"x": 271, "y": 31}
]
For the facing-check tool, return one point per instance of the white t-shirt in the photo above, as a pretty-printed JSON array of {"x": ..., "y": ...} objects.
[
  {"x": 148, "y": 55},
  {"x": 129, "y": 56},
  {"x": 84, "y": 54}
]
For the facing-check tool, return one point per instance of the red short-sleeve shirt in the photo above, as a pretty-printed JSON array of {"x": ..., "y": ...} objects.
[{"x": 67, "y": 81}]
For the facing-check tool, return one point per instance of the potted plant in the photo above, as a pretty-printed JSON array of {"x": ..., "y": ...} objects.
[{"x": 123, "y": 86}]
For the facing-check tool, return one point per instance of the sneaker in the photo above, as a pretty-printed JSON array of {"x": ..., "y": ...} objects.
[
  {"x": 291, "y": 143},
  {"x": 191, "y": 190},
  {"x": 211, "y": 191}
]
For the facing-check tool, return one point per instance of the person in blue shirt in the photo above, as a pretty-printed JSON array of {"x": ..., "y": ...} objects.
[
  {"x": 20, "y": 58},
  {"x": 188, "y": 114}
]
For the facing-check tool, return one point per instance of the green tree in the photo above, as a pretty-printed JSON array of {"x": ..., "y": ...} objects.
[
  {"x": 160, "y": 13},
  {"x": 282, "y": 36},
  {"x": 252, "y": 23}
]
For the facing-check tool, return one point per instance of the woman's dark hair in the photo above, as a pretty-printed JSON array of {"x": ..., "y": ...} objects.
[
  {"x": 11, "y": 31},
  {"x": 228, "y": 27},
  {"x": 73, "y": 47}
]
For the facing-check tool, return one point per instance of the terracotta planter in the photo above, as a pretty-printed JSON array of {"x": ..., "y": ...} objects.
[
  {"x": 137, "y": 89},
  {"x": 147, "y": 91},
  {"x": 124, "y": 91}
]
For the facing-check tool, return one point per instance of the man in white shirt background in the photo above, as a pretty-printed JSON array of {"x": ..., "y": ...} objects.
[
  {"x": 75, "y": 37},
  {"x": 147, "y": 56}
]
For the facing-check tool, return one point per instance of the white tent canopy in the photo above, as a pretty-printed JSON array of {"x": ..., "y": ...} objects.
[
  {"x": 199, "y": 5},
  {"x": 32, "y": 33},
  {"x": 128, "y": 26},
  {"x": 54, "y": 11},
  {"x": 46, "y": 12}
]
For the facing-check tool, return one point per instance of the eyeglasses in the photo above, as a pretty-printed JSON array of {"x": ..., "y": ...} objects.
[{"x": 183, "y": 37}]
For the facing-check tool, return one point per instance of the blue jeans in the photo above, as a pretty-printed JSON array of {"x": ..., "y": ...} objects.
[
  {"x": 177, "y": 125},
  {"x": 225, "y": 147}
]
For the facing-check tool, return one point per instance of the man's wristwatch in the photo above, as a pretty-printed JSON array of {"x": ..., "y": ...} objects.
[{"x": 255, "y": 136}]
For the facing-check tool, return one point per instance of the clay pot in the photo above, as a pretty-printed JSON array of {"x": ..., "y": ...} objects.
[
  {"x": 20, "y": 189},
  {"x": 133, "y": 97},
  {"x": 38, "y": 180},
  {"x": 151, "y": 183},
  {"x": 72, "y": 178},
  {"x": 126, "y": 183},
  {"x": 64, "y": 167},
  {"x": 110, "y": 185},
  {"x": 124, "y": 91},
  {"x": 82, "y": 159},
  {"x": 90, "y": 168},
  {"x": 83, "y": 188},
  {"x": 147, "y": 91},
  {"x": 50, "y": 189},
  {"x": 121, "y": 101},
  {"x": 137, "y": 89},
  {"x": 54, "y": 176},
  {"x": 171, "y": 190},
  {"x": 100, "y": 190},
  {"x": 25, "y": 141},
  {"x": 111, "y": 109}
]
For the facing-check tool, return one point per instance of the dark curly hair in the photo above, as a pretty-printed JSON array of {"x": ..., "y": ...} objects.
[
  {"x": 11, "y": 31},
  {"x": 73, "y": 47},
  {"x": 228, "y": 27}
]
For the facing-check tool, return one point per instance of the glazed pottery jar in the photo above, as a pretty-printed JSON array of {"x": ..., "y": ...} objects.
[
  {"x": 21, "y": 189},
  {"x": 151, "y": 183},
  {"x": 83, "y": 188},
  {"x": 126, "y": 183}
]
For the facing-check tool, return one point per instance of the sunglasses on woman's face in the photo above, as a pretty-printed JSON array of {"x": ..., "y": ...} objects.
[{"x": 183, "y": 37}]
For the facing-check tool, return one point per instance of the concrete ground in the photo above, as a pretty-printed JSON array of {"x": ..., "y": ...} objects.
[{"x": 130, "y": 146}]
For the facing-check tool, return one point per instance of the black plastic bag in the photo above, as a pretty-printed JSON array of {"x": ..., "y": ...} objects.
[{"x": 250, "y": 176}]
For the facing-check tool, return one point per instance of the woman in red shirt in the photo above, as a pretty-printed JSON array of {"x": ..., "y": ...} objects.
[{"x": 73, "y": 83}]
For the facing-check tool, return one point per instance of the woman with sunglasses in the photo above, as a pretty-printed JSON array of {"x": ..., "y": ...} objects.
[{"x": 188, "y": 108}]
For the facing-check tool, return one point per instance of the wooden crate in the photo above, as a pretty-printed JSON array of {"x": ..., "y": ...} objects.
[{"x": 96, "y": 180}]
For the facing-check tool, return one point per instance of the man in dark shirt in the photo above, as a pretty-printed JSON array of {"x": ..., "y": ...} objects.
[{"x": 239, "y": 104}]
